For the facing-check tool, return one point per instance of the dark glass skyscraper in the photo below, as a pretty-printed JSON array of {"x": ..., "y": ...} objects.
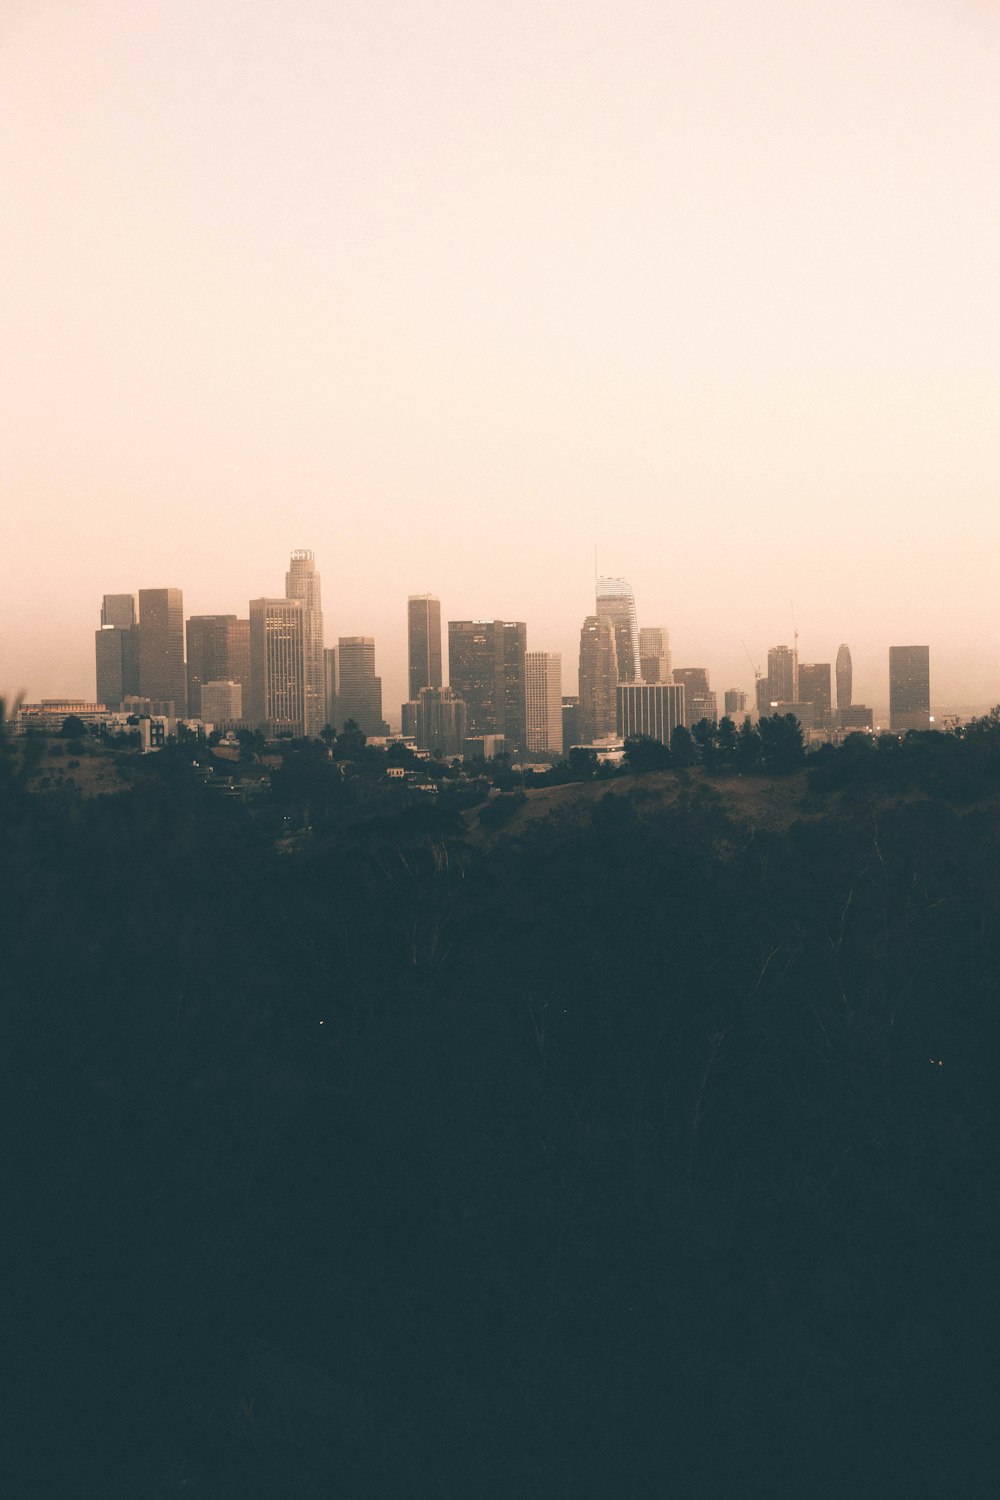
[
  {"x": 116, "y": 649},
  {"x": 598, "y": 679},
  {"x": 161, "y": 647},
  {"x": 909, "y": 688},
  {"x": 423, "y": 636},
  {"x": 475, "y": 672},
  {"x": 359, "y": 691},
  {"x": 207, "y": 655}
]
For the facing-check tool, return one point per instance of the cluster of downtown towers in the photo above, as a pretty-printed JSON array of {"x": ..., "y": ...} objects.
[{"x": 273, "y": 672}]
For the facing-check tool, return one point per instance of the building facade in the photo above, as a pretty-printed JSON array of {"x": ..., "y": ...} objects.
[
  {"x": 543, "y": 701},
  {"x": 616, "y": 604},
  {"x": 654, "y": 654},
  {"x": 302, "y": 582},
  {"x": 221, "y": 703},
  {"x": 277, "y": 666},
  {"x": 476, "y": 673},
  {"x": 699, "y": 700},
  {"x": 162, "y": 678},
  {"x": 598, "y": 679},
  {"x": 440, "y": 721},
  {"x": 735, "y": 701},
  {"x": 653, "y": 709},
  {"x": 207, "y": 655},
  {"x": 783, "y": 674},
  {"x": 423, "y": 641},
  {"x": 359, "y": 690},
  {"x": 815, "y": 688},
  {"x": 909, "y": 688},
  {"x": 845, "y": 678}
]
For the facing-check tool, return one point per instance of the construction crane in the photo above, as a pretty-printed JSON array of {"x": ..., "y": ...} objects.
[{"x": 757, "y": 674}]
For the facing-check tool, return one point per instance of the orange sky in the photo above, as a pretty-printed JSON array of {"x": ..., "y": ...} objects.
[{"x": 453, "y": 292}]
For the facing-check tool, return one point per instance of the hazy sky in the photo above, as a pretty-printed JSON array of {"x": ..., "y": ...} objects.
[{"x": 452, "y": 292}]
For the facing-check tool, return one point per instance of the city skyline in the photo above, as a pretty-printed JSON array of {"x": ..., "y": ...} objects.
[
  {"x": 116, "y": 607},
  {"x": 456, "y": 299}
]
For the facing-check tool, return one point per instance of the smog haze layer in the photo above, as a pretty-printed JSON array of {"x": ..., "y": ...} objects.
[{"x": 455, "y": 294}]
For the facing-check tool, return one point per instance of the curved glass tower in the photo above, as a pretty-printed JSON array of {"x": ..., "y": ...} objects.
[{"x": 616, "y": 604}]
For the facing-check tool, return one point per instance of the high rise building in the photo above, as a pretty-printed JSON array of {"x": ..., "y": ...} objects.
[
  {"x": 118, "y": 610},
  {"x": 845, "y": 675},
  {"x": 162, "y": 677},
  {"x": 543, "y": 701},
  {"x": 735, "y": 701},
  {"x": 277, "y": 666},
  {"x": 359, "y": 691},
  {"x": 221, "y": 703},
  {"x": 909, "y": 688},
  {"x": 699, "y": 700},
  {"x": 653, "y": 709},
  {"x": 330, "y": 686},
  {"x": 475, "y": 671},
  {"x": 423, "y": 637},
  {"x": 207, "y": 655},
  {"x": 571, "y": 723},
  {"x": 116, "y": 650},
  {"x": 654, "y": 654},
  {"x": 598, "y": 679},
  {"x": 440, "y": 721},
  {"x": 514, "y": 635},
  {"x": 814, "y": 688},
  {"x": 783, "y": 674},
  {"x": 616, "y": 603},
  {"x": 302, "y": 582},
  {"x": 238, "y": 656}
]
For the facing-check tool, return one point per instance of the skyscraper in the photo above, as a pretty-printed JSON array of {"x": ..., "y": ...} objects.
[
  {"x": 330, "y": 685},
  {"x": 161, "y": 648},
  {"x": 514, "y": 634},
  {"x": 616, "y": 603},
  {"x": 476, "y": 672},
  {"x": 440, "y": 721},
  {"x": 118, "y": 610},
  {"x": 598, "y": 679},
  {"x": 238, "y": 656},
  {"x": 699, "y": 700},
  {"x": 735, "y": 702},
  {"x": 359, "y": 691},
  {"x": 543, "y": 701},
  {"x": 783, "y": 674},
  {"x": 221, "y": 703},
  {"x": 845, "y": 684},
  {"x": 277, "y": 666},
  {"x": 654, "y": 654},
  {"x": 207, "y": 655},
  {"x": 814, "y": 688},
  {"x": 423, "y": 635},
  {"x": 302, "y": 582},
  {"x": 116, "y": 649},
  {"x": 909, "y": 688}
]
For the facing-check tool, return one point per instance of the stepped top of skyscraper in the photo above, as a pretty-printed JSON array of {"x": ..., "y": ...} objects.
[{"x": 302, "y": 554}]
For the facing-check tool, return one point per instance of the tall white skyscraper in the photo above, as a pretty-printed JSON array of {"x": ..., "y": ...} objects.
[
  {"x": 543, "y": 701},
  {"x": 302, "y": 582},
  {"x": 616, "y": 603}
]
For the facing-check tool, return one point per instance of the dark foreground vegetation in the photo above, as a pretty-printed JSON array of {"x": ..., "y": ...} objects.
[{"x": 648, "y": 1153}]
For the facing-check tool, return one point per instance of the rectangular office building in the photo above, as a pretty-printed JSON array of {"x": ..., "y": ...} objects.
[{"x": 654, "y": 709}]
